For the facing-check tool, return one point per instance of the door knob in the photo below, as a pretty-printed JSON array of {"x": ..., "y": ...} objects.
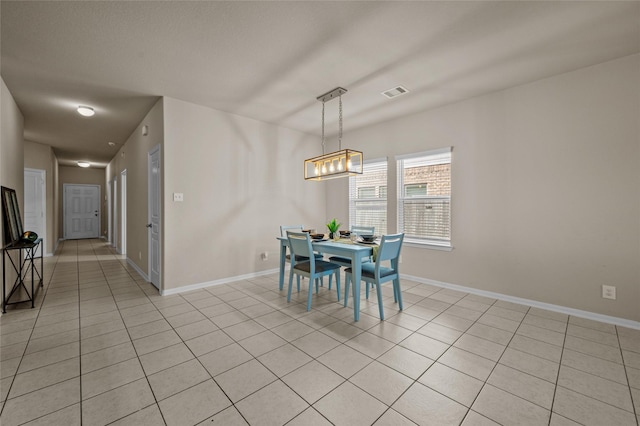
[{"x": 149, "y": 225}]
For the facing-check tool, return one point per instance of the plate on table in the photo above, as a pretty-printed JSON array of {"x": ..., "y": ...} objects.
[
  {"x": 360, "y": 240},
  {"x": 317, "y": 240}
]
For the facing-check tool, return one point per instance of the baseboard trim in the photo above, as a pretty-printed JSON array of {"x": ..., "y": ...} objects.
[
  {"x": 221, "y": 281},
  {"x": 533, "y": 303},
  {"x": 138, "y": 270}
]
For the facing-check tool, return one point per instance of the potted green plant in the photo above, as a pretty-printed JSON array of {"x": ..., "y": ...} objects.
[{"x": 333, "y": 228}]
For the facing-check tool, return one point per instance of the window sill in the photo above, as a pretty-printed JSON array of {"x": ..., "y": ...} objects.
[{"x": 428, "y": 245}]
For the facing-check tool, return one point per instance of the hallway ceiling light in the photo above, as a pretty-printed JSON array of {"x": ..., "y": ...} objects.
[
  {"x": 342, "y": 163},
  {"x": 396, "y": 91},
  {"x": 84, "y": 163},
  {"x": 86, "y": 111}
]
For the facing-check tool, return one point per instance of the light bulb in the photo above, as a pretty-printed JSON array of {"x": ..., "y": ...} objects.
[
  {"x": 340, "y": 165},
  {"x": 349, "y": 164},
  {"x": 324, "y": 168},
  {"x": 316, "y": 170},
  {"x": 332, "y": 168}
]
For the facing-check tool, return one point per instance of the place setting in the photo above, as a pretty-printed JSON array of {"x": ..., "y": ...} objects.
[
  {"x": 316, "y": 238},
  {"x": 366, "y": 239}
]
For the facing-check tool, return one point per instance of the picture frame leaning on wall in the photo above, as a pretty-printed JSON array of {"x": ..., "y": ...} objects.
[{"x": 12, "y": 220}]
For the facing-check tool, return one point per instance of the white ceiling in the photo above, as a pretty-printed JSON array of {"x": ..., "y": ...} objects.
[{"x": 270, "y": 60}]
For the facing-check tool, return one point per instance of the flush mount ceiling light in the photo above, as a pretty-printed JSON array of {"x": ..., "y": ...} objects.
[
  {"x": 86, "y": 111},
  {"x": 395, "y": 92},
  {"x": 111, "y": 144},
  {"x": 342, "y": 163},
  {"x": 83, "y": 163}
]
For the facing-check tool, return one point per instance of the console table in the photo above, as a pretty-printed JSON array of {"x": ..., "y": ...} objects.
[{"x": 24, "y": 265}]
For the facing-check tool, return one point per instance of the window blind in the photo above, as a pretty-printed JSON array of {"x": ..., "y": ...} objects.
[
  {"x": 424, "y": 197},
  {"x": 368, "y": 196}
]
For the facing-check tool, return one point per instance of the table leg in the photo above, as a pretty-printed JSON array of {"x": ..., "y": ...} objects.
[
  {"x": 356, "y": 267},
  {"x": 41, "y": 265},
  {"x": 283, "y": 257},
  {"x": 4, "y": 271},
  {"x": 33, "y": 294}
]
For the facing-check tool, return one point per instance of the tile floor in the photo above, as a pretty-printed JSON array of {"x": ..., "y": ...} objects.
[{"x": 103, "y": 347}]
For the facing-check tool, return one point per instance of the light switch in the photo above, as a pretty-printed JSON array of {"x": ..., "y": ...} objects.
[{"x": 178, "y": 196}]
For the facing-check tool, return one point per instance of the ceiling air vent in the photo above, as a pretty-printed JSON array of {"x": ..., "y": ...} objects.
[{"x": 395, "y": 92}]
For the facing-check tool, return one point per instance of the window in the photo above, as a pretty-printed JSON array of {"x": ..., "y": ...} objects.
[
  {"x": 424, "y": 197},
  {"x": 368, "y": 196},
  {"x": 367, "y": 192},
  {"x": 415, "y": 190},
  {"x": 382, "y": 191}
]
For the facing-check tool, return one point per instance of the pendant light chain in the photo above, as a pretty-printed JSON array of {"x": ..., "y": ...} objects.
[
  {"x": 322, "y": 127},
  {"x": 340, "y": 125}
]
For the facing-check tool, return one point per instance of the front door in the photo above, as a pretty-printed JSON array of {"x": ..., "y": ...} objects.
[
  {"x": 155, "y": 265},
  {"x": 35, "y": 204},
  {"x": 81, "y": 211}
]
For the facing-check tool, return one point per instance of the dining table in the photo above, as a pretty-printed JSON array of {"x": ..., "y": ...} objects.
[{"x": 345, "y": 248}]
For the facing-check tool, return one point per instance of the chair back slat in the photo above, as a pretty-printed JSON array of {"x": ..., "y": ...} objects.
[
  {"x": 285, "y": 228},
  {"x": 300, "y": 245},
  {"x": 389, "y": 247}
]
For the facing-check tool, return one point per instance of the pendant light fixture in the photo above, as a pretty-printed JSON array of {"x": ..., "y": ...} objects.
[{"x": 342, "y": 163}]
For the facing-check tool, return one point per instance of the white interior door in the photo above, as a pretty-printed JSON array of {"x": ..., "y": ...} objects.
[
  {"x": 109, "y": 212},
  {"x": 114, "y": 241},
  {"x": 123, "y": 212},
  {"x": 81, "y": 211},
  {"x": 35, "y": 204},
  {"x": 155, "y": 263}
]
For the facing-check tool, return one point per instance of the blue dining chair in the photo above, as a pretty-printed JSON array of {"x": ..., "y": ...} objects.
[
  {"x": 296, "y": 228},
  {"x": 312, "y": 268},
  {"x": 359, "y": 230},
  {"x": 376, "y": 274}
]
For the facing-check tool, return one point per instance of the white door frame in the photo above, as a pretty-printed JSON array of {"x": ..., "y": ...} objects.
[
  {"x": 154, "y": 188},
  {"x": 123, "y": 212},
  {"x": 43, "y": 219}
]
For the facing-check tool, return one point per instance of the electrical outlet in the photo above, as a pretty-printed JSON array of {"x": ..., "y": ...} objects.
[
  {"x": 178, "y": 196},
  {"x": 609, "y": 292}
]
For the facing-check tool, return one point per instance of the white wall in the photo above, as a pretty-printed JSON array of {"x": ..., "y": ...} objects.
[
  {"x": 132, "y": 157},
  {"x": 241, "y": 180},
  {"x": 11, "y": 141},
  {"x": 11, "y": 154},
  {"x": 546, "y": 188},
  {"x": 38, "y": 156}
]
